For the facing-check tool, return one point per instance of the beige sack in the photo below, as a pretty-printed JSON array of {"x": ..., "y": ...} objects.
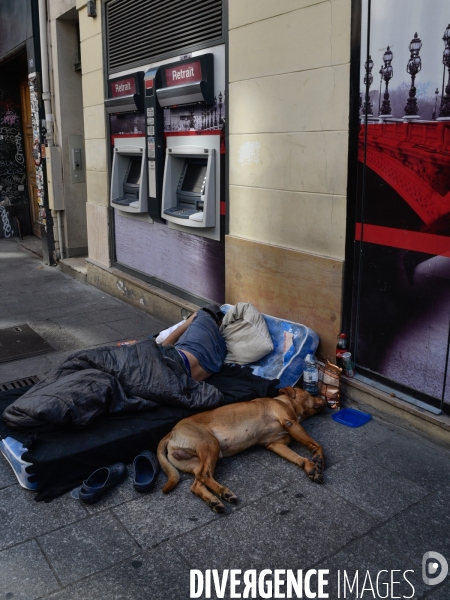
[{"x": 246, "y": 334}]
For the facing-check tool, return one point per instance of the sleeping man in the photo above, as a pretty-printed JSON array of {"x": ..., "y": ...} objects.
[
  {"x": 129, "y": 378},
  {"x": 197, "y": 345}
]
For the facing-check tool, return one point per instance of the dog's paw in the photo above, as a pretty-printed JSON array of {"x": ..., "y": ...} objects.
[
  {"x": 315, "y": 475},
  {"x": 319, "y": 462},
  {"x": 217, "y": 506},
  {"x": 230, "y": 497}
]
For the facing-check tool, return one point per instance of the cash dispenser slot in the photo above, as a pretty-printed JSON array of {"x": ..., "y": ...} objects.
[
  {"x": 129, "y": 177},
  {"x": 189, "y": 186}
]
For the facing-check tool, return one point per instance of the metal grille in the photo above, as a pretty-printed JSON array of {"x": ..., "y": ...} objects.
[
  {"x": 18, "y": 383},
  {"x": 141, "y": 31}
]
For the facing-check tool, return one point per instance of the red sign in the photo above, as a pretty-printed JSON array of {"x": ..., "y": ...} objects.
[
  {"x": 148, "y": 84},
  {"x": 123, "y": 87},
  {"x": 187, "y": 73}
]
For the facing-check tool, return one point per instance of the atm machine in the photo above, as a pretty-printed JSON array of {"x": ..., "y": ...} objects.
[
  {"x": 184, "y": 181},
  {"x": 129, "y": 173},
  {"x": 129, "y": 176}
]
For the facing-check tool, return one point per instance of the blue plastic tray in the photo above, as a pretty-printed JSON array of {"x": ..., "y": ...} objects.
[{"x": 351, "y": 417}]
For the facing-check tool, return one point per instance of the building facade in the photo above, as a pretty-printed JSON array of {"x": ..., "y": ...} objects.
[{"x": 309, "y": 185}]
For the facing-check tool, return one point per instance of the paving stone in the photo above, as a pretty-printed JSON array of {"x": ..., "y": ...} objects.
[
  {"x": 25, "y": 368},
  {"x": 87, "y": 547},
  {"x": 427, "y": 466},
  {"x": 116, "y": 314},
  {"x": 157, "y": 517},
  {"x": 7, "y": 476},
  {"x": 137, "y": 326},
  {"x": 419, "y": 529},
  {"x": 21, "y": 304},
  {"x": 289, "y": 529},
  {"x": 17, "y": 286},
  {"x": 244, "y": 475},
  {"x": 338, "y": 443},
  {"x": 159, "y": 574},
  {"x": 362, "y": 556},
  {"x": 25, "y": 574},
  {"x": 379, "y": 492},
  {"x": 7, "y": 319},
  {"x": 60, "y": 338},
  {"x": 21, "y": 518},
  {"x": 73, "y": 334},
  {"x": 440, "y": 593}
]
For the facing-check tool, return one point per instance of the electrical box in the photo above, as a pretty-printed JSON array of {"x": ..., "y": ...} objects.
[
  {"x": 77, "y": 168},
  {"x": 54, "y": 178}
]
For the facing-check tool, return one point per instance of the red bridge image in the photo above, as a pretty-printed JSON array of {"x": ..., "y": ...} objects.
[{"x": 414, "y": 159}]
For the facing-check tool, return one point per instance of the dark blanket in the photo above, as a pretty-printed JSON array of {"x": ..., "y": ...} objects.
[
  {"x": 111, "y": 380},
  {"x": 62, "y": 459}
]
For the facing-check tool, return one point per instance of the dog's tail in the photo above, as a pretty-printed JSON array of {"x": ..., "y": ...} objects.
[{"x": 173, "y": 477}]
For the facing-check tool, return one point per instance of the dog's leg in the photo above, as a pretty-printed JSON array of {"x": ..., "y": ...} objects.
[
  {"x": 219, "y": 489},
  {"x": 299, "y": 434},
  {"x": 208, "y": 452},
  {"x": 202, "y": 492},
  {"x": 310, "y": 468}
]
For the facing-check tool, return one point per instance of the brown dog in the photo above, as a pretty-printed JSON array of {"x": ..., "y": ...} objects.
[{"x": 195, "y": 444}]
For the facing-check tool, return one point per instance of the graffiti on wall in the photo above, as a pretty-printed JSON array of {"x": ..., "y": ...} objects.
[
  {"x": 13, "y": 188},
  {"x": 6, "y": 225},
  {"x": 37, "y": 153}
]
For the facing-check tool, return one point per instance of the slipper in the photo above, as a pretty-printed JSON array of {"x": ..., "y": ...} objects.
[
  {"x": 102, "y": 480},
  {"x": 145, "y": 470}
]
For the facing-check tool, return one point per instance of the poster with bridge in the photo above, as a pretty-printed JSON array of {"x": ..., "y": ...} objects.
[{"x": 403, "y": 217}]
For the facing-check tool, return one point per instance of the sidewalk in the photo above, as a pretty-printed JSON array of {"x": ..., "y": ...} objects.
[{"x": 385, "y": 501}]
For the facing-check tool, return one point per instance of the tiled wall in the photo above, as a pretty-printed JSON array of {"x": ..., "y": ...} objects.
[{"x": 289, "y": 64}]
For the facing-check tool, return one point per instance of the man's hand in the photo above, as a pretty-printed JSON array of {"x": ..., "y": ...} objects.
[{"x": 175, "y": 335}]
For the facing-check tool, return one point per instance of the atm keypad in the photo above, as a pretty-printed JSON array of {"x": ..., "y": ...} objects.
[{"x": 181, "y": 213}]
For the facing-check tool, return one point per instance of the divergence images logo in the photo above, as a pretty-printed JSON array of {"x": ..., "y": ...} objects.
[{"x": 431, "y": 562}]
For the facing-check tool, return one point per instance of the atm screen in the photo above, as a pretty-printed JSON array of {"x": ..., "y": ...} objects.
[
  {"x": 194, "y": 177},
  {"x": 134, "y": 174}
]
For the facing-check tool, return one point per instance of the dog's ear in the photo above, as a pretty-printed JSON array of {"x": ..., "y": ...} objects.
[{"x": 288, "y": 391}]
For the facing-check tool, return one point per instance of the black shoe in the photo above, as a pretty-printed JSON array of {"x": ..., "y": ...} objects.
[
  {"x": 101, "y": 480},
  {"x": 145, "y": 470}
]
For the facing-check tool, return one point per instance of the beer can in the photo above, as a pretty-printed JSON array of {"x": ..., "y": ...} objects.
[{"x": 348, "y": 364}]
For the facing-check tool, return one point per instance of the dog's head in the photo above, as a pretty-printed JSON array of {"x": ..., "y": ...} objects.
[{"x": 303, "y": 403}]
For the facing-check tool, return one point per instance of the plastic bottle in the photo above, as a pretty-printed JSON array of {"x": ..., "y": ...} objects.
[
  {"x": 311, "y": 375},
  {"x": 341, "y": 347}
]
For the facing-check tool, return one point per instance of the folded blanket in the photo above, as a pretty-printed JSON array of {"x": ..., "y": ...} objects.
[{"x": 108, "y": 380}]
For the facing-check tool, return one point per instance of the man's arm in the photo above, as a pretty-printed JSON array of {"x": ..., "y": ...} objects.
[{"x": 175, "y": 335}]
